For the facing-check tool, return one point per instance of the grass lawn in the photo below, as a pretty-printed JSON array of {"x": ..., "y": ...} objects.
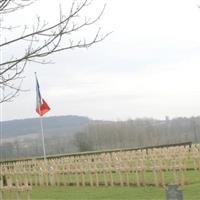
[
  {"x": 94, "y": 193},
  {"x": 191, "y": 192}
]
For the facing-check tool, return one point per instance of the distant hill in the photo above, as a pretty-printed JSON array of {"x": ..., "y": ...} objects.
[
  {"x": 62, "y": 125},
  {"x": 69, "y": 134}
]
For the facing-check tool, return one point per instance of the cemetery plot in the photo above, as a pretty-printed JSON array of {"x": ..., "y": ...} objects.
[{"x": 149, "y": 167}]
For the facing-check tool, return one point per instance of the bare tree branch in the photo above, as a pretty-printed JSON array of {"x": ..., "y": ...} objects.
[{"x": 43, "y": 40}]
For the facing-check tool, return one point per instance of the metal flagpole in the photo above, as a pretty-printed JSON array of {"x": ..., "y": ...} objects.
[
  {"x": 41, "y": 120},
  {"x": 41, "y": 108},
  {"x": 43, "y": 144}
]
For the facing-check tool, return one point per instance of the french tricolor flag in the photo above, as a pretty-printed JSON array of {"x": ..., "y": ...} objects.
[{"x": 41, "y": 105}]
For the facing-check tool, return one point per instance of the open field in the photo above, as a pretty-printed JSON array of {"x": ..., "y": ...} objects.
[
  {"x": 190, "y": 192},
  {"x": 101, "y": 193}
]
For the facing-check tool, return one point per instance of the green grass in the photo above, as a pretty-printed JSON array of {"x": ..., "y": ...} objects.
[
  {"x": 94, "y": 193},
  {"x": 190, "y": 177},
  {"x": 190, "y": 192}
]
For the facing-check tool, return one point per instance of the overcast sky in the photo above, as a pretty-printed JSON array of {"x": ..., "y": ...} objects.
[{"x": 148, "y": 67}]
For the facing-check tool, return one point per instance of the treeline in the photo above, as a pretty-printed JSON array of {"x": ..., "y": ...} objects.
[
  {"x": 32, "y": 147},
  {"x": 138, "y": 133},
  {"x": 102, "y": 135}
]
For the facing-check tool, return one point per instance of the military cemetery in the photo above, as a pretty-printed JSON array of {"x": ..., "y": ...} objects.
[
  {"x": 99, "y": 100},
  {"x": 157, "y": 167}
]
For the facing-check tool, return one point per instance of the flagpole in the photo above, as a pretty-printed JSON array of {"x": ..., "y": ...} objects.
[
  {"x": 41, "y": 119},
  {"x": 43, "y": 144}
]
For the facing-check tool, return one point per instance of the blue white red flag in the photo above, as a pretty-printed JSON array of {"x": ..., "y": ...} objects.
[{"x": 41, "y": 105}]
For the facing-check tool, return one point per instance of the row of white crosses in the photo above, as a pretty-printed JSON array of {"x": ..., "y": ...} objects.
[{"x": 125, "y": 168}]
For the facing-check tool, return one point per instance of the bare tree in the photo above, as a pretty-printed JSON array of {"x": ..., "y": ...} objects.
[{"x": 41, "y": 40}]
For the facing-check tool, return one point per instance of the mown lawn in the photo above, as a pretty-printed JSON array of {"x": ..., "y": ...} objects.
[
  {"x": 190, "y": 192},
  {"x": 94, "y": 193}
]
